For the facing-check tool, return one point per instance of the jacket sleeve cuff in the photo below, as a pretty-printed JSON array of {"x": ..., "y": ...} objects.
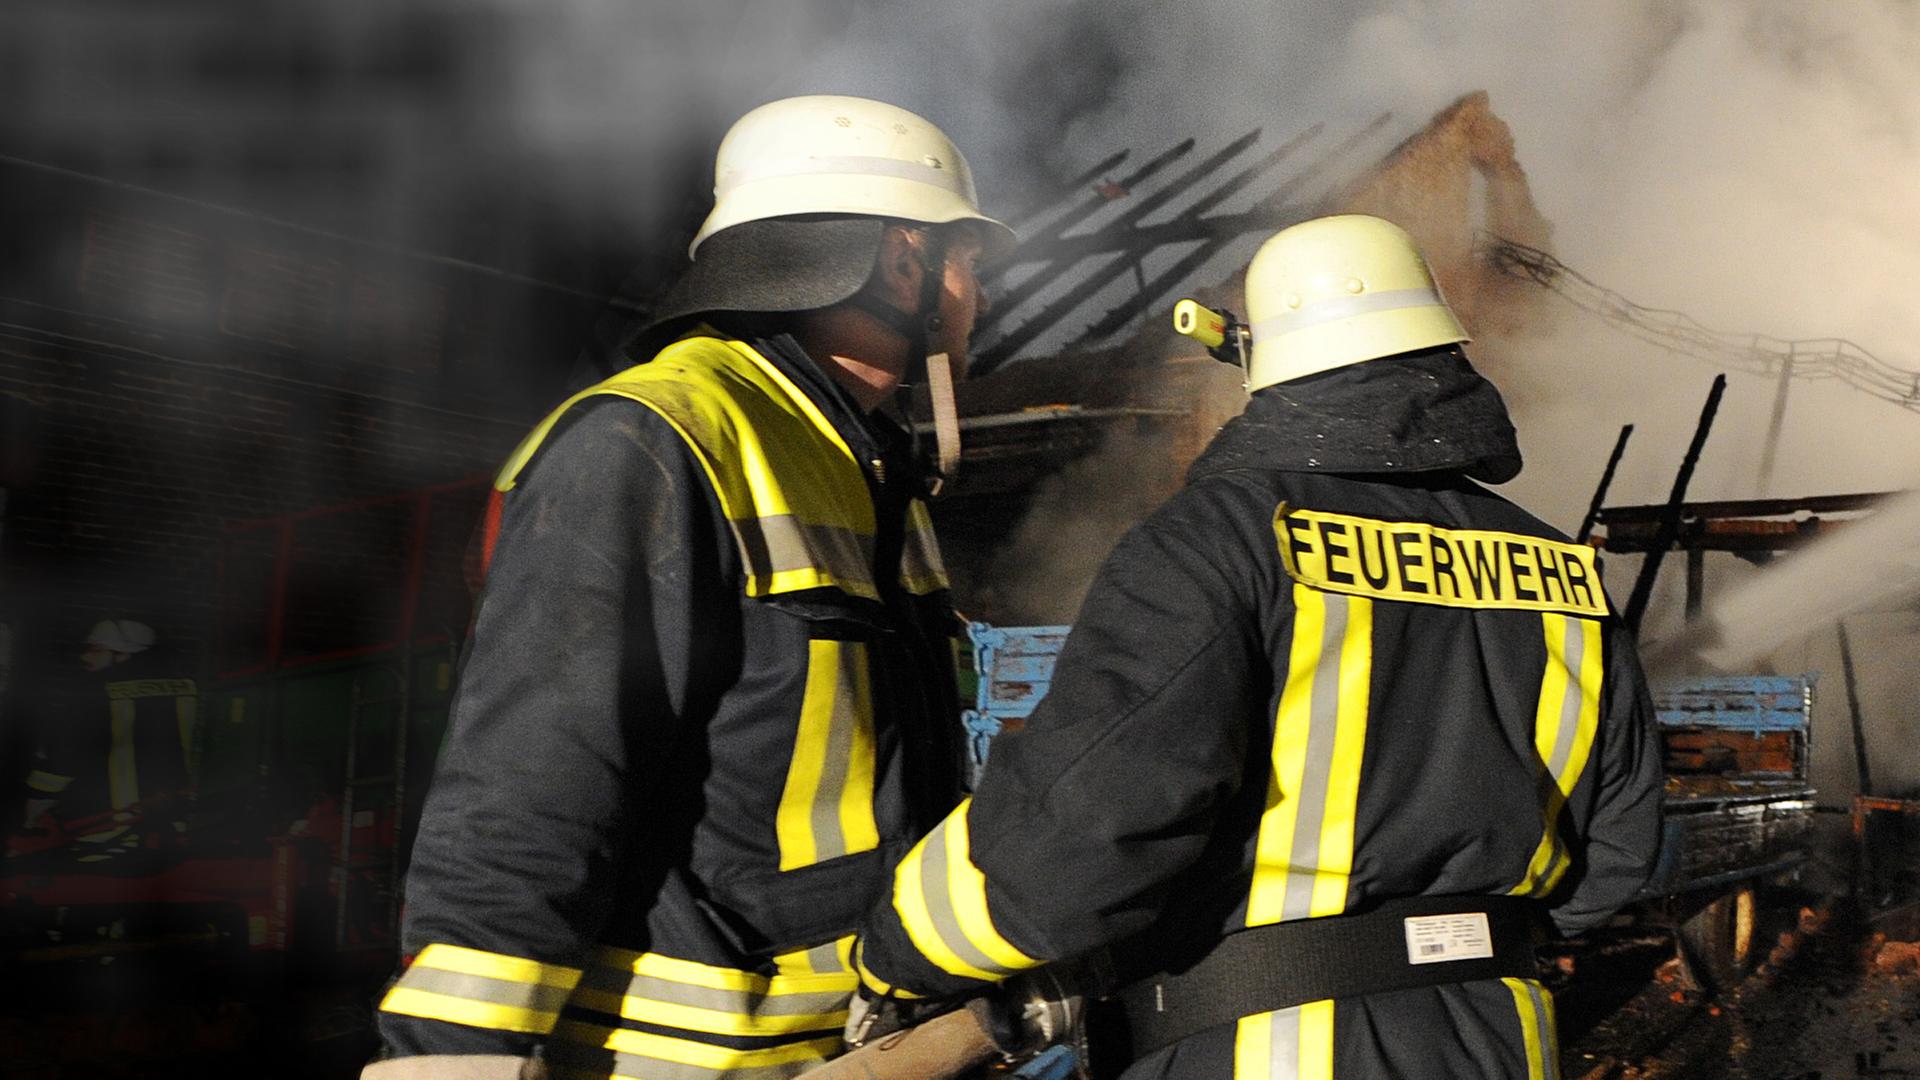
[
  {"x": 937, "y": 935},
  {"x": 458, "y": 1001}
]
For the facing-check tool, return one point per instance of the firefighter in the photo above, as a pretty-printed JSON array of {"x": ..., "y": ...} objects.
[
  {"x": 104, "y": 783},
  {"x": 708, "y": 698},
  {"x": 1336, "y": 728}
]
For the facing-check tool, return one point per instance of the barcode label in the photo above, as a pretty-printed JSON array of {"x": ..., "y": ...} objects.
[{"x": 1435, "y": 939}]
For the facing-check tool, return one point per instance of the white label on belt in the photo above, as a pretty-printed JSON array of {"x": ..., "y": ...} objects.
[{"x": 1436, "y": 939}]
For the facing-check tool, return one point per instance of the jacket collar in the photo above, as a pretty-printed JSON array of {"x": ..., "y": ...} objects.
[
  {"x": 872, "y": 436},
  {"x": 1419, "y": 412}
]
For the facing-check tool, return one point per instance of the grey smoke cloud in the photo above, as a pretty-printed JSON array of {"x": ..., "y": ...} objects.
[{"x": 1749, "y": 164}]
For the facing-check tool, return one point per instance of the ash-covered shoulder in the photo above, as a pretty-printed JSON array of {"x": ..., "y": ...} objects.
[
  {"x": 1224, "y": 520},
  {"x": 604, "y": 438},
  {"x": 1483, "y": 504}
]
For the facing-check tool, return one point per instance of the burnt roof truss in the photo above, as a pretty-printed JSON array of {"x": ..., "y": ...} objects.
[{"x": 1078, "y": 245}]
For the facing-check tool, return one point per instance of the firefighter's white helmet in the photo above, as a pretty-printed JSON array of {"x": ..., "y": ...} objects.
[
  {"x": 1341, "y": 290},
  {"x": 826, "y": 154}
]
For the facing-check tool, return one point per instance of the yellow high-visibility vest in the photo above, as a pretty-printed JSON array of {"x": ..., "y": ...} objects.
[{"x": 791, "y": 489}]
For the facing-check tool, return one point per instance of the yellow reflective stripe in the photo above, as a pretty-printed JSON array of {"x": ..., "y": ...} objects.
[
  {"x": 743, "y": 1023},
  {"x": 786, "y": 482},
  {"x": 47, "y": 783},
  {"x": 783, "y": 553},
  {"x": 1316, "y": 1041},
  {"x": 967, "y": 887},
  {"x": 458, "y": 1010},
  {"x": 941, "y": 898},
  {"x": 799, "y": 397},
  {"x": 1274, "y": 849},
  {"x": 874, "y": 982},
  {"x": 691, "y": 1052},
  {"x": 1546, "y": 734},
  {"x": 716, "y": 1000},
  {"x": 859, "y": 830},
  {"x": 922, "y": 570},
  {"x": 481, "y": 989},
  {"x": 910, "y": 904},
  {"x": 793, "y": 820},
  {"x": 123, "y": 774},
  {"x": 1304, "y": 855},
  {"x": 1550, "y": 1027},
  {"x": 464, "y": 961},
  {"x": 1539, "y": 1042},
  {"x": 1290, "y": 1044},
  {"x": 1335, "y": 862},
  {"x": 1565, "y": 722},
  {"x": 826, "y": 808},
  {"x": 127, "y": 689},
  {"x": 778, "y": 552},
  {"x": 695, "y": 973},
  {"x": 827, "y": 958},
  {"x": 1253, "y": 1047}
]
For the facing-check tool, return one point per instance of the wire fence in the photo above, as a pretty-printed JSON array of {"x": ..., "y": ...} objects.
[{"x": 1808, "y": 358}]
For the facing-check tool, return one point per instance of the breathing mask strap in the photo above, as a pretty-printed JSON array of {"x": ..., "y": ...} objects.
[{"x": 935, "y": 370}]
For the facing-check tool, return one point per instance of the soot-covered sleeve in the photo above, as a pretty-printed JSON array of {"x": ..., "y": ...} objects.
[
  {"x": 584, "y": 667},
  {"x": 1083, "y": 817}
]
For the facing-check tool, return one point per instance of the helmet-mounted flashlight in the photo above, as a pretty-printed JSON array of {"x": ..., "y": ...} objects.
[{"x": 1227, "y": 339}]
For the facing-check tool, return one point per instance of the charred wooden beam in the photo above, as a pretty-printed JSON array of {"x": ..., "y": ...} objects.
[
  {"x": 1744, "y": 508},
  {"x": 1012, "y": 298},
  {"x": 1088, "y": 287},
  {"x": 1175, "y": 274},
  {"x": 1670, "y": 522},
  {"x": 1033, "y": 211}
]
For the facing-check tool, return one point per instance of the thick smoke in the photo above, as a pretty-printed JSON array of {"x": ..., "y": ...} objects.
[{"x": 1748, "y": 164}]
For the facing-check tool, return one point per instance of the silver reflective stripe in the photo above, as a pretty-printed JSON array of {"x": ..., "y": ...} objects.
[
  {"x": 921, "y": 568},
  {"x": 1343, "y": 307},
  {"x": 1576, "y": 655},
  {"x": 825, "y": 959},
  {"x": 934, "y": 884},
  {"x": 782, "y": 542},
  {"x": 531, "y": 996},
  {"x": 1325, "y": 724},
  {"x": 732, "y": 1002},
  {"x": 123, "y": 769},
  {"x": 946, "y": 178},
  {"x": 829, "y": 838},
  {"x": 1283, "y": 1056},
  {"x": 1543, "y": 1024},
  {"x": 48, "y": 783}
]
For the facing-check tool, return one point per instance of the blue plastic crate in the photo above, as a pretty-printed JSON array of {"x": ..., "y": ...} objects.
[
  {"x": 1015, "y": 665},
  {"x": 1738, "y": 702}
]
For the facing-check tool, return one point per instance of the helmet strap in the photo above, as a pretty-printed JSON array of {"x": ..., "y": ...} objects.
[
  {"x": 1243, "y": 350},
  {"x": 927, "y": 322},
  {"x": 926, "y": 315},
  {"x": 900, "y": 322},
  {"x": 918, "y": 328}
]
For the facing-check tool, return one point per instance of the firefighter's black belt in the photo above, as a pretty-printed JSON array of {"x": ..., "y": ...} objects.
[{"x": 1267, "y": 968}]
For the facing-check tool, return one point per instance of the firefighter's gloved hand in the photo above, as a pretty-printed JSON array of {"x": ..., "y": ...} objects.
[
  {"x": 859, "y": 1027},
  {"x": 999, "y": 1015},
  {"x": 872, "y": 1017}
]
